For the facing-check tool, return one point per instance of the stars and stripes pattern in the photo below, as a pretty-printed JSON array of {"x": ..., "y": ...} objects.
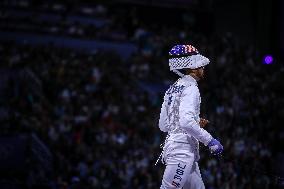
[
  {"x": 183, "y": 50},
  {"x": 185, "y": 56}
]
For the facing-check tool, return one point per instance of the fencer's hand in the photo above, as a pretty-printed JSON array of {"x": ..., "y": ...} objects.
[
  {"x": 215, "y": 147},
  {"x": 203, "y": 122}
]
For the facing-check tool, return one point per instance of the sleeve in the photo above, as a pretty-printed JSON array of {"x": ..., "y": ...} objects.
[
  {"x": 163, "y": 118},
  {"x": 188, "y": 108}
]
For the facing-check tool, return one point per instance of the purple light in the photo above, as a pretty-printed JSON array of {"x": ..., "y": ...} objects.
[{"x": 268, "y": 59}]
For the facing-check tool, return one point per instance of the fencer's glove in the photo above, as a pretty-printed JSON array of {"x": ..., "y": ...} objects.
[{"x": 215, "y": 147}]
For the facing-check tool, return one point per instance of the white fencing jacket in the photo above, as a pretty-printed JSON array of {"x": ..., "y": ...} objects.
[{"x": 180, "y": 114}]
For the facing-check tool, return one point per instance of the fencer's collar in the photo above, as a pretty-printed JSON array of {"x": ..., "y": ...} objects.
[{"x": 190, "y": 79}]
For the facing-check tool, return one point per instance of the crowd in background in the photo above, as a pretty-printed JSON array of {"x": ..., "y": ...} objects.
[
  {"x": 66, "y": 20},
  {"x": 101, "y": 125}
]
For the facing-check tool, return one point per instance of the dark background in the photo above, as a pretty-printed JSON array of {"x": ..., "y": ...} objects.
[{"x": 82, "y": 82}]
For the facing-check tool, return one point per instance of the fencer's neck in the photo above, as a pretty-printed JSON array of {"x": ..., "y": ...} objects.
[{"x": 194, "y": 76}]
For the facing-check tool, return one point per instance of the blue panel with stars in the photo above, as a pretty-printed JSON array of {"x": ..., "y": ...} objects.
[{"x": 183, "y": 50}]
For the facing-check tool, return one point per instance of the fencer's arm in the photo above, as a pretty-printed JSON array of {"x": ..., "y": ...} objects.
[
  {"x": 163, "y": 118},
  {"x": 187, "y": 112}
]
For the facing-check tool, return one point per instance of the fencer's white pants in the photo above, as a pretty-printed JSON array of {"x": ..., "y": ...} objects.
[{"x": 182, "y": 170}]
